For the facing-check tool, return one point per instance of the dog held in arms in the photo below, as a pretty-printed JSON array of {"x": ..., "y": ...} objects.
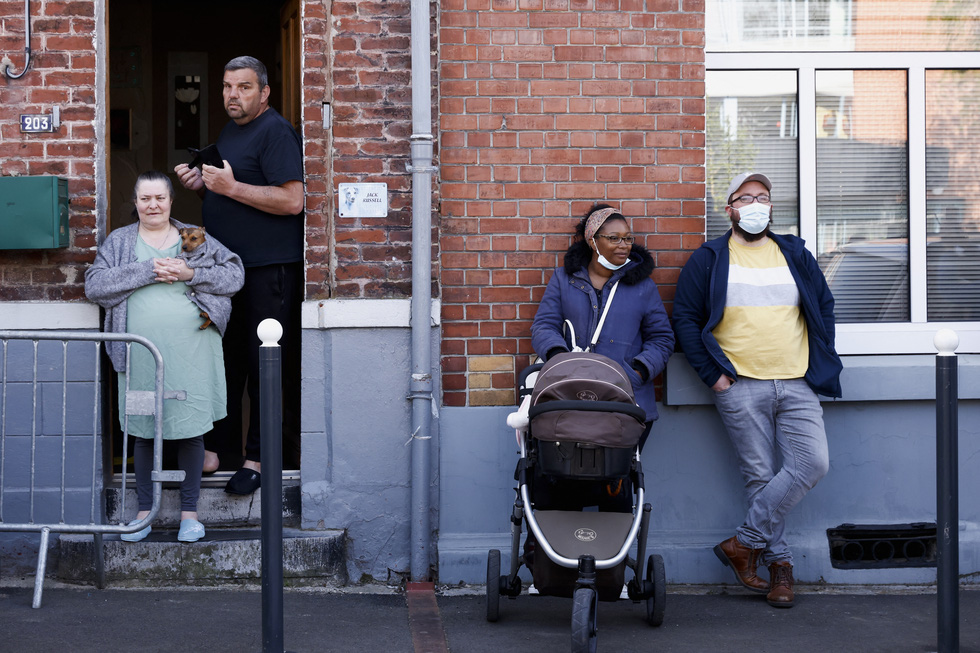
[{"x": 197, "y": 253}]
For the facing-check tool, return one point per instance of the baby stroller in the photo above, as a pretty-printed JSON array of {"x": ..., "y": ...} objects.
[{"x": 578, "y": 425}]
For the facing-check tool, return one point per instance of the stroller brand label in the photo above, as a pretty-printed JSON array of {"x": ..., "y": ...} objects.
[
  {"x": 585, "y": 535},
  {"x": 586, "y": 395}
]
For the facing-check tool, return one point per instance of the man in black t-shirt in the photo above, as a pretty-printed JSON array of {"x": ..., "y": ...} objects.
[{"x": 254, "y": 206}]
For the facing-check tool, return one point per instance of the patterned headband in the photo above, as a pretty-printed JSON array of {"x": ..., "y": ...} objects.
[{"x": 595, "y": 221}]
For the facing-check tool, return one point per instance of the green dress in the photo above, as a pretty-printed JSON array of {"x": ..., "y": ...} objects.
[{"x": 193, "y": 361}]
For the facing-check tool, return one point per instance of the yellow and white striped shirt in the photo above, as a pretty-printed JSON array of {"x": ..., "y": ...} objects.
[{"x": 762, "y": 331}]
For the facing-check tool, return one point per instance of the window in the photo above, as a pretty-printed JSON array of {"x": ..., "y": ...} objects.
[
  {"x": 862, "y": 112},
  {"x": 862, "y": 192}
]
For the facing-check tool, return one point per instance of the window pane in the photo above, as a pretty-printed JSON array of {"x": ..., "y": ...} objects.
[
  {"x": 841, "y": 25},
  {"x": 953, "y": 194},
  {"x": 752, "y": 125},
  {"x": 862, "y": 192}
]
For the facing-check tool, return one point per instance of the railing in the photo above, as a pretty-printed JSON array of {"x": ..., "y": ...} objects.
[{"x": 51, "y": 453}]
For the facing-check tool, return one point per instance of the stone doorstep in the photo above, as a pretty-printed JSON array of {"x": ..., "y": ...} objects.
[
  {"x": 215, "y": 508},
  {"x": 223, "y": 556}
]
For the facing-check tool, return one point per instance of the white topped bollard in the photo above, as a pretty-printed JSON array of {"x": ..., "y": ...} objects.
[
  {"x": 270, "y": 417},
  {"x": 269, "y": 332},
  {"x": 947, "y": 492},
  {"x": 946, "y": 341}
]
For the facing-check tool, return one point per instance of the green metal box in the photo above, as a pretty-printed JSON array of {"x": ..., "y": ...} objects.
[{"x": 33, "y": 212}]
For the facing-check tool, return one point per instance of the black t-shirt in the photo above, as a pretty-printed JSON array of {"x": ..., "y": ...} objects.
[{"x": 264, "y": 152}]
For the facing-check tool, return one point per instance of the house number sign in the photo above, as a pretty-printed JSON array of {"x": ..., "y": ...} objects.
[{"x": 36, "y": 123}]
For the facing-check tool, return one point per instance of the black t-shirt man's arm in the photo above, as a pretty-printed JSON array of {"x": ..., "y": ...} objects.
[{"x": 285, "y": 199}]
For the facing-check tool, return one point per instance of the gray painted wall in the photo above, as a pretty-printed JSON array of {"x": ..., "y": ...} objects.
[
  {"x": 882, "y": 471},
  {"x": 66, "y": 451},
  {"x": 356, "y": 458}
]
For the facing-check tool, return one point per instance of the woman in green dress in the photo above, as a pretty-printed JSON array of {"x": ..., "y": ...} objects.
[{"x": 147, "y": 289}]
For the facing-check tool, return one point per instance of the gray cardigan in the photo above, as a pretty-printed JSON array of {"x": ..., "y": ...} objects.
[{"x": 116, "y": 274}]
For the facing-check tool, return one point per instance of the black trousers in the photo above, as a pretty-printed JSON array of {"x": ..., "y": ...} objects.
[{"x": 274, "y": 291}]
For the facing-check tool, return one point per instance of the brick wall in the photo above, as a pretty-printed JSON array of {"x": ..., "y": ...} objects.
[
  {"x": 62, "y": 73},
  {"x": 370, "y": 88},
  {"x": 316, "y": 91},
  {"x": 547, "y": 106}
]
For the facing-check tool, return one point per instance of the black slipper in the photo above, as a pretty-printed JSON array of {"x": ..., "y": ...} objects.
[{"x": 245, "y": 481}]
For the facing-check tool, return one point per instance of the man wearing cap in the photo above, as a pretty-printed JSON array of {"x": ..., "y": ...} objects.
[{"x": 755, "y": 318}]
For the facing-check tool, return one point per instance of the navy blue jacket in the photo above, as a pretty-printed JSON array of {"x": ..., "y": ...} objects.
[
  {"x": 636, "y": 332},
  {"x": 700, "y": 302}
]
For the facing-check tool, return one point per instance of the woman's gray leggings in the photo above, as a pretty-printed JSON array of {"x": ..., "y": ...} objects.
[{"x": 190, "y": 458}]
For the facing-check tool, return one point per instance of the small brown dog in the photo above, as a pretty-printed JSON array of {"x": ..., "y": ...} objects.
[{"x": 192, "y": 238}]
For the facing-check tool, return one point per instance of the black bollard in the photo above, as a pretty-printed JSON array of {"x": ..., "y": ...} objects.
[
  {"x": 270, "y": 406},
  {"x": 947, "y": 494}
]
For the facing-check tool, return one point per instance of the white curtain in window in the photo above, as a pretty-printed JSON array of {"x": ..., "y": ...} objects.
[
  {"x": 862, "y": 192},
  {"x": 752, "y": 126},
  {"x": 953, "y": 195}
]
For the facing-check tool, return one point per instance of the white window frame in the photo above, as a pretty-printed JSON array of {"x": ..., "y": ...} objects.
[{"x": 915, "y": 336}]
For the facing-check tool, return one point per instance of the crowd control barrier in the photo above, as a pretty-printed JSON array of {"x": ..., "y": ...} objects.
[{"x": 51, "y": 437}]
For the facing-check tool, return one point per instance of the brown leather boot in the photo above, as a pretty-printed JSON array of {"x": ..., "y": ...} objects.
[
  {"x": 743, "y": 561},
  {"x": 781, "y": 582}
]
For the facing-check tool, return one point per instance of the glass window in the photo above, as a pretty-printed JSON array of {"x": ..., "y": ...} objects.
[
  {"x": 752, "y": 125},
  {"x": 953, "y": 195},
  {"x": 864, "y": 114},
  {"x": 862, "y": 192},
  {"x": 841, "y": 25}
]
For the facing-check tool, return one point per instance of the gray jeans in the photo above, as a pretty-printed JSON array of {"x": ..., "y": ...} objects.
[{"x": 763, "y": 417}]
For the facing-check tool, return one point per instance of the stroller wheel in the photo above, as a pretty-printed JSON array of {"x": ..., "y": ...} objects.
[
  {"x": 656, "y": 587},
  {"x": 493, "y": 585},
  {"x": 585, "y": 612}
]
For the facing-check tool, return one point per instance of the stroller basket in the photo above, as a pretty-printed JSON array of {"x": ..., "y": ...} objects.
[{"x": 564, "y": 448}]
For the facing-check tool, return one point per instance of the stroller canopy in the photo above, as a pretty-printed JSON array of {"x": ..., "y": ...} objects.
[{"x": 585, "y": 397}]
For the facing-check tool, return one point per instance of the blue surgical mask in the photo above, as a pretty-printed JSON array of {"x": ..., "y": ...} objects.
[
  {"x": 754, "y": 218},
  {"x": 604, "y": 262}
]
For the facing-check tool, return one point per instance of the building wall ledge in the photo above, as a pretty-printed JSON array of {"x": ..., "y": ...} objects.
[
  {"x": 363, "y": 313},
  {"x": 906, "y": 377},
  {"x": 33, "y": 316}
]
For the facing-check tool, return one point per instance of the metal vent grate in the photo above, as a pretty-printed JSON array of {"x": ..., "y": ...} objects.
[{"x": 863, "y": 546}]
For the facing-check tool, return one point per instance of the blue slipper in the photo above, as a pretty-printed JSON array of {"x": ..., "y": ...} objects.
[
  {"x": 138, "y": 535},
  {"x": 191, "y": 530}
]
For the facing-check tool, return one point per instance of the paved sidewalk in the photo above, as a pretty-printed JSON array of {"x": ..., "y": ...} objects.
[{"x": 697, "y": 619}]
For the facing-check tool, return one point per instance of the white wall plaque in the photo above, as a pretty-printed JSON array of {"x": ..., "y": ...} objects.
[{"x": 363, "y": 200}]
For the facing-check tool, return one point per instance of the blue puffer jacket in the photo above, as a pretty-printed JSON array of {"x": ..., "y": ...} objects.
[
  {"x": 636, "y": 332},
  {"x": 700, "y": 302}
]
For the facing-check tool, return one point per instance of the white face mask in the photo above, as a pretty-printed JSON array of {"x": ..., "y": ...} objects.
[
  {"x": 754, "y": 218},
  {"x": 604, "y": 262}
]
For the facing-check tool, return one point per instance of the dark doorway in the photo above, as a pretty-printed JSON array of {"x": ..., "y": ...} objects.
[{"x": 166, "y": 62}]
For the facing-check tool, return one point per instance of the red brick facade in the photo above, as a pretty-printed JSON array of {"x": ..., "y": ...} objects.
[
  {"x": 547, "y": 106},
  {"x": 541, "y": 108},
  {"x": 62, "y": 73}
]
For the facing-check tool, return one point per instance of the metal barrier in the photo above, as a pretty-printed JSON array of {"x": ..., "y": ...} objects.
[{"x": 54, "y": 409}]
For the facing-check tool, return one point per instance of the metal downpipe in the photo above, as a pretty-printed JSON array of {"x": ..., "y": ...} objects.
[{"x": 421, "y": 380}]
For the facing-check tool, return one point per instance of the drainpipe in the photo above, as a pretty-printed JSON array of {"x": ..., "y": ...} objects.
[{"x": 421, "y": 381}]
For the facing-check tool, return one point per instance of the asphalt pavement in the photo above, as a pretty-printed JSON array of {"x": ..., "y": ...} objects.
[{"x": 387, "y": 620}]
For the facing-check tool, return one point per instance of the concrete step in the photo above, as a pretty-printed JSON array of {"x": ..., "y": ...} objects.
[
  {"x": 215, "y": 508},
  {"x": 222, "y": 556}
]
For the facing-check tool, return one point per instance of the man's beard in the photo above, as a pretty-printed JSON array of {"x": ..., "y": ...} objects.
[{"x": 751, "y": 238}]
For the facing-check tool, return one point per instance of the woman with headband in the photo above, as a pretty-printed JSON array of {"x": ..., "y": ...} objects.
[{"x": 636, "y": 332}]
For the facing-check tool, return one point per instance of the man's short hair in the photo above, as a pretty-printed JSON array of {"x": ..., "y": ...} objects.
[
  {"x": 240, "y": 63},
  {"x": 744, "y": 177}
]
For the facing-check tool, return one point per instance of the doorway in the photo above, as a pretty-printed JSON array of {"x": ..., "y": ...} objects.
[{"x": 166, "y": 63}]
